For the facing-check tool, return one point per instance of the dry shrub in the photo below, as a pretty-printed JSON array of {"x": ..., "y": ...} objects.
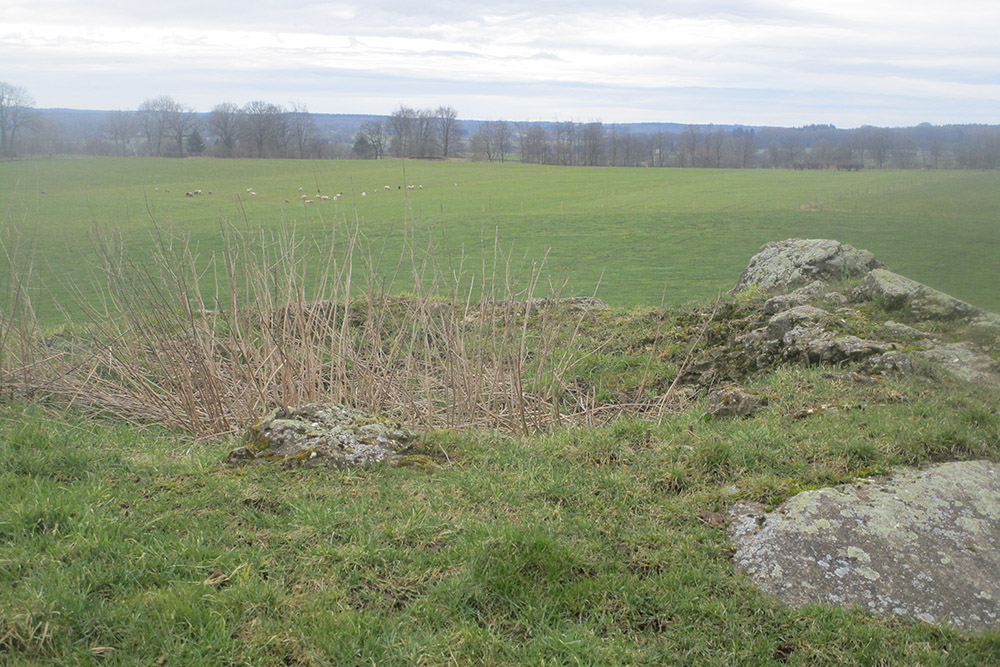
[{"x": 288, "y": 322}]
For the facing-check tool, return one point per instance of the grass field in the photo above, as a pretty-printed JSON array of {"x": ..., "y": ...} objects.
[
  {"x": 594, "y": 539},
  {"x": 582, "y": 546},
  {"x": 652, "y": 234}
]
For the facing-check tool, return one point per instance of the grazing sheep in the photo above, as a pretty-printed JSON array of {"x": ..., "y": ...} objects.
[
  {"x": 304, "y": 197},
  {"x": 308, "y": 201},
  {"x": 388, "y": 188},
  {"x": 249, "y": 190},
  {"x": 197, "y": 192},
  {"x": 420, "y": 187},
  {"x": 336, "y": 196},
  {"x": 300, "y": 189},
  {"x": 325, "y": 197},
  {"x": 156, "y": 189},
  {"x": 252, "y": 193},
  {"x": 364, "y": 194},
  {"x": 189, "y": 194}
]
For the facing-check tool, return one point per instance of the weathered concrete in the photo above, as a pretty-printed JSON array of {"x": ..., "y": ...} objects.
[
  {"x": 924, "y": 544},
  {"x": 797, "y": 261}
]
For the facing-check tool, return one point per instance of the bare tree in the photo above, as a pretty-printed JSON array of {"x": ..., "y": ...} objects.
[
  {"x": 121, "y": 127},
  {"x": 263, "y": 126},
  {"x": 744, "y": 146},
  {"x": 180, "y": 121},
  {"x": 593, "y": 144},
  {"x": 533, "y": 143},
  {"x": 224, "y": 123},
  {"x": 376, "y": 137},
  {"x": 155, "y": 119},
  {"x": 302, "y": 128},
  {"x": 879, "y": 142},
  {"x": 793, "y": 150},
  {"x": 401, "y": 126},
  {"x": 688, "y": 145},
  {"x": 449, "y": 129},
  {"x": 16, "y": 112}
]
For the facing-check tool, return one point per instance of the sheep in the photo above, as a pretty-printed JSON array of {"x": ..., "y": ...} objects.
[
  {"x": 300, "y": 189},
  {"x": 308, "y": 201},
  {"x": 410, "y": 187},
  {"x": 364, "y": 194},
  {"x": 420, "y": 187},
  {"x": 252, "y": 193},
  {"x": 336, "y": 196},
  {"x": 325, "y": 197},
  {"x": 156, "y": 189},
  {"x": 303, "y": 197},
  {"x": 189, "y": 194},
  {"x": 249, "y": 191},
  {"x": 388, "y": 188},
  {"x": 197, "y": 192}
]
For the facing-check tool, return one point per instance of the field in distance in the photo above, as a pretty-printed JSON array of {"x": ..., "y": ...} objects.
[{"x": 643, "y": 235}]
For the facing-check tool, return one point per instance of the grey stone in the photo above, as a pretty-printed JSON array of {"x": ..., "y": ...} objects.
[
  {"x": 900, "y": 292},
  {"x": 817, "y": 346},
  {"x": 322, "y": 435},
  {"x": 889, "y": 361},
  {"x": 799, "y": 297},
  {"x": 785, "y": 321},
  {"x": 924, "y": 544},
  {"x": 732, "y": 401},
  {"x": 964, "y": 363},
  {"x": 794, "y": 262},
  {"x": 897, "y": 330}
]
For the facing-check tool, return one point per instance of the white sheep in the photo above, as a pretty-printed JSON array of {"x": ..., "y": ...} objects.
[
  {"x": 364, "y": 194},
  {"x": 325, "y": 197},
  {"x": 388, "y": 188}
]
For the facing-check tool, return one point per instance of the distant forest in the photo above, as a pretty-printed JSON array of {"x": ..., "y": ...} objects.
[{"x": 257, "y": 129}]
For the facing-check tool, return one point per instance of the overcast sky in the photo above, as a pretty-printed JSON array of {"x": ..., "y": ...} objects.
[{"x": 754, "y": 62}]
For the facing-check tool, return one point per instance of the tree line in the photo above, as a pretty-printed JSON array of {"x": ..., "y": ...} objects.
[{"x": 164, "y": 127}]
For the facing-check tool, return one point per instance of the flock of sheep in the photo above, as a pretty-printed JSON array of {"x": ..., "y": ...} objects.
[{"x": 306, "y": 199}]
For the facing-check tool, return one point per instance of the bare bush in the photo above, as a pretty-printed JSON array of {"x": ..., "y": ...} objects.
[{"x": 290, "y": 322}]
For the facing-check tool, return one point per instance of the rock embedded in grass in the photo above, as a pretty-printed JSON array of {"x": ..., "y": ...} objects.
[
  {"x": 792, "y": 262},
  {"x": 323, "y": 435},
  {"x": 921, "y": 544}
]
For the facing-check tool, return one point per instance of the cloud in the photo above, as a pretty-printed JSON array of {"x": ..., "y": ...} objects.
[{"x": 799, "y": 61}]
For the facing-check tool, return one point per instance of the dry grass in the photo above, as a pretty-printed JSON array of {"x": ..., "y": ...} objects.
[{"x": 473, "y": 345}]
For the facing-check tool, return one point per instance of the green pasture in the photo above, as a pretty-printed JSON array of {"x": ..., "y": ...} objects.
[{"x": 644, "y": 235}]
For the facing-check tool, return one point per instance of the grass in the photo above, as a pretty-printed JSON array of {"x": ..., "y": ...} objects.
[
  {"x": 589, "y": 546},
  {"x": 581, "y": 523},
  {"x": 642, "y": 234}
]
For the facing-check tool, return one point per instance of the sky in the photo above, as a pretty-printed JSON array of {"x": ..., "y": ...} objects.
[{"x": 750, "y": 62}]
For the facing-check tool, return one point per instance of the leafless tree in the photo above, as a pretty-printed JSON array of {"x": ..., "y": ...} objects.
[
  {"x": 180, "y": 121},
  {"x": 16, "y": 112},
  {"x": 879, "y": 142},
  {"x": 121, "y": 127},
  {"x": 302, "y": 128},
  {"x": 449, "y": 129},
  {"x": 744, "y": 146},
  {"x": 263, "y": 125},
  {"x": 376, "y": 136},
  {"x": 593, "y": 144},
  {"x": 532, "y": 142},
  {"x": 401, "y": 126},
  {"x": 224, "y": 123},
  {"x": 155, "y": 119}
]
